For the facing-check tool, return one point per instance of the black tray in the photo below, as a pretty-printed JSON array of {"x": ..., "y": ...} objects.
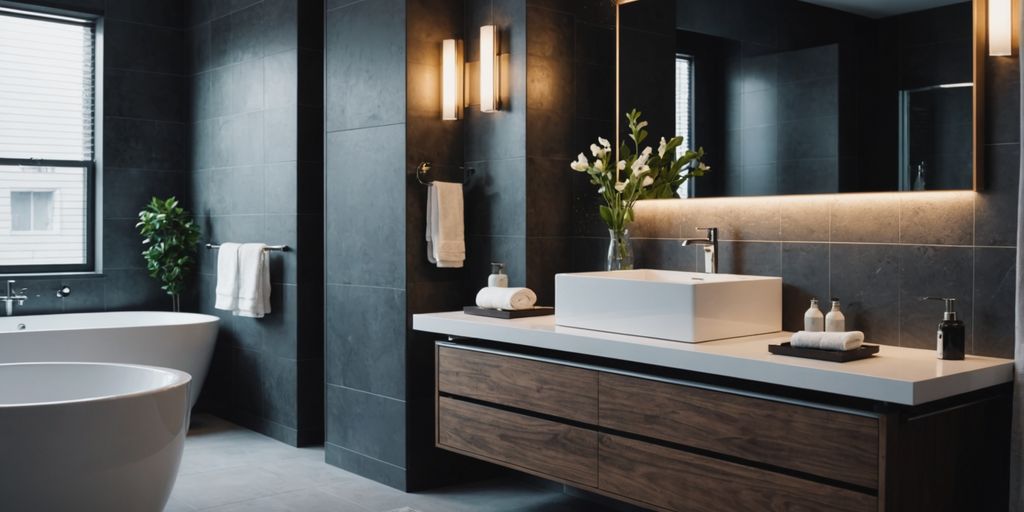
[
  {"x": 508, "y": 314},
  {"x": 862, "y": 352}
]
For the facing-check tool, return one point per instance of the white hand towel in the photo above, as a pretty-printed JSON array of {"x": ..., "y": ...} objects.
[
  {"x": 840, "y": 341},
  {"x": 227, "y": 277},
  {"x": 253, "y": 281},
  {"x": 446, "y": 244},
  {"x": 493, "y": 297}
]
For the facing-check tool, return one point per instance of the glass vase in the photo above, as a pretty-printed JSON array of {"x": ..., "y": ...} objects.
[{"x": 620, "y": 250}]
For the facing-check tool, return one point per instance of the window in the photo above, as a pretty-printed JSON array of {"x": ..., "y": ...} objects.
[
  {"x": 684, "y": 110},
  {"x": 47, "y": 157},
  {"x": 32, "y": 212}
]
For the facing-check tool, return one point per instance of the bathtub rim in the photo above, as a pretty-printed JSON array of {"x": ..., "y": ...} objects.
[
  {"x": 180, "y": 379},
  {"x": 201, "y": 319}
]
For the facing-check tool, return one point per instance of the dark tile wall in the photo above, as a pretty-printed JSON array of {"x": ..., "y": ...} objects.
[
  {"x": 366, "y": 181},
  {"x": 255, "y": 74},
  {"x": 144, "y": 152},
  {"x": 495, "y": 146}
]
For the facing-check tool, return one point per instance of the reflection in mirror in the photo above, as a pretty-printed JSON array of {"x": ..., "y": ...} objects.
[{"x": 807, "y": 97}]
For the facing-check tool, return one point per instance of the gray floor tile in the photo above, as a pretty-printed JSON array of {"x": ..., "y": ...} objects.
[{"x": 226, "y": 468}]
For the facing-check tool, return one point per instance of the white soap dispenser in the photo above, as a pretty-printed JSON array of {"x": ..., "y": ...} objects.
[
  {"x": 814, "y": 320},
  {"x": 498, "y": 277},
  {"x": 835, "y": 321}
]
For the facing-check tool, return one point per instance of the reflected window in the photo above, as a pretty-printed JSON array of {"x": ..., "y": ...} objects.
[{"x": 684, "y": 111}]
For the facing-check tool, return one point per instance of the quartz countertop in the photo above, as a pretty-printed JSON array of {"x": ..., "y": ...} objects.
[{"x": 898, "y": 375}]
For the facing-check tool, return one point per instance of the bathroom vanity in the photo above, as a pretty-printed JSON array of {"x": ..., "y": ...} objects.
[{"x": 723, "y": 425}]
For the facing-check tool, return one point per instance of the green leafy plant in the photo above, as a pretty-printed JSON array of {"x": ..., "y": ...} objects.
[{"x": 169, "y": 237}]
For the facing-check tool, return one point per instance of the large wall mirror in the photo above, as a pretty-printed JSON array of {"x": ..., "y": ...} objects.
[{"x": 809, "y": 96}]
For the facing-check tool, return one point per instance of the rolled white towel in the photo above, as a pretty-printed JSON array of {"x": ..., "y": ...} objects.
[
  {"x": 493, "y": 297},
  {"x": 847, "y": 340}
]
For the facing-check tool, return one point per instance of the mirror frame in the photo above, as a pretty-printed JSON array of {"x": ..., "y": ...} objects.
[{"x": 980, "y": 54}]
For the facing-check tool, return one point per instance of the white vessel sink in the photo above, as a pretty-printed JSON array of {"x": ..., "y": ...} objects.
[{"x": 678, "y": 306}]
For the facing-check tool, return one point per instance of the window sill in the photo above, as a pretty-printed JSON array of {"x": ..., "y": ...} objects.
[{"x": 54, "y": 275}]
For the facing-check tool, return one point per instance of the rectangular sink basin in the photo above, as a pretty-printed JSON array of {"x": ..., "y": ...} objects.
[{"x": 689, "y": 307}]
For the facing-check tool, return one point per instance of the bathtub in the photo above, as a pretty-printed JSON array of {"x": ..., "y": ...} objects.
[
  {"x": 90, "y": 436},
  {"x": 183, "y": 341}
]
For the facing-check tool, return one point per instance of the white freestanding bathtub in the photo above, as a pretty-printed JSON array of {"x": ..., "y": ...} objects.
[
  {"x": 90, "y": 436},
  {"x": 183, "y": 341}
]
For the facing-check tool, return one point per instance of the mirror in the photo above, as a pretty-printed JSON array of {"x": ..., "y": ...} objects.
[{"x": 807, "y": 96}]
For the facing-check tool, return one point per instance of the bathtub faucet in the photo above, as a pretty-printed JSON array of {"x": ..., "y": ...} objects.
[{"x": 13, "y": 296}]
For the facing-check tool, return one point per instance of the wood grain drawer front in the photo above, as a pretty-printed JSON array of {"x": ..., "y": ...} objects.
[
  {"x": 547, "y": 388},
  {"x": 680, "y": 481},
  {"x": 833, "y": 445},
  {"x": 538, "y": 446}
]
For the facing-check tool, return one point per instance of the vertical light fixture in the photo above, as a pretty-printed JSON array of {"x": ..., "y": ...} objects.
[
  {"x": 489, "y": 69},
  {"x": 451, "y": 79},
  {"x": 1000, "y": 28}
]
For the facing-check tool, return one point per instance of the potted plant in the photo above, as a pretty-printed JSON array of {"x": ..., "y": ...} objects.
[
  {"x": 170, "y": 237},
  {"x": 638, "y": 174}
]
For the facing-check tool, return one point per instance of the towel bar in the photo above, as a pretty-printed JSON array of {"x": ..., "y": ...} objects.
[
  {"x": 424, "y": 168},
  {"x": 269, "y": 247}
]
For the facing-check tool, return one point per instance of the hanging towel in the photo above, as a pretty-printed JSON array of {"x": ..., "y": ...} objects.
[
  {"x": 446, "y": 245},
  {"x": 227, "y": 277},
  {"x": 509, "y": 299},
  {"x": 840, "y": 341},
  {"x": 253, "y": 281}
]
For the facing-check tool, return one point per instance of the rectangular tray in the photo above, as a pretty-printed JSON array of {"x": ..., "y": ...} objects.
[
  {"x": 509, "y": 314},
  {"x": 862, "y": 352}
]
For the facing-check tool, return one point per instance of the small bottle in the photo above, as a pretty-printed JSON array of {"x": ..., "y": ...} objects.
[
  {"x": 835, "y": 321},
  {"x": 498, "y": 278},
  {"x": 950, "y": 340},
  {"x": 814, "y": 321}
]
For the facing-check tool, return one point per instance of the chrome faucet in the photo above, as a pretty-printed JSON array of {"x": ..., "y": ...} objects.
[
  {"x": 710, "y": 248},
  {"x": 12, "y": 297}
]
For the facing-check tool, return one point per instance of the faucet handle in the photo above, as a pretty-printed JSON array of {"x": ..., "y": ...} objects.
[{"x": 712, "y": 233}]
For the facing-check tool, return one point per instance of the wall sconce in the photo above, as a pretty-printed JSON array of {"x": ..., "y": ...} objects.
[
  {"x": 452, "y": 63},
  {"x": 1000, "y": 28},
  {"x": 489, "y": 69}
]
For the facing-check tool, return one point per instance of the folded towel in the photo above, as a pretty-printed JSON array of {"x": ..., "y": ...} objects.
[
  {"x": 253, "y": 281},
  {"x": 493, "y": 297},
  {"x": 227, "y": 277},
  {"x": 840, "y": 341},
  {"x": 446, "y": 244}
]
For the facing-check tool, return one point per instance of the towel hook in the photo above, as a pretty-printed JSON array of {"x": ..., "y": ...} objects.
[{"x": 423, "y": 169}]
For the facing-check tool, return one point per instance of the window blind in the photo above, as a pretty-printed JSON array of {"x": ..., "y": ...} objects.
[
  {"x": 47, "y": 89},
  {"x": 684, "y": 101}
]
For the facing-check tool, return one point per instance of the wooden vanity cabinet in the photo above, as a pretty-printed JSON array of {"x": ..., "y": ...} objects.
[{"x": 687, "y": 446}]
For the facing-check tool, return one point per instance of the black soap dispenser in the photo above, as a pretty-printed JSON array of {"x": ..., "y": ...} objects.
[{"x": 951, "y": 338}]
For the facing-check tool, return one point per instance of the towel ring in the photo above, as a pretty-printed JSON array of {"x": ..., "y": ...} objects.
[{"x": 423, "y": 169}]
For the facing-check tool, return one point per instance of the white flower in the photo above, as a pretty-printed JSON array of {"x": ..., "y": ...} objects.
[
  {"x": 620, "y": 186},
  {"x": 662, "y": 146},
  {"x": 596, "y": 150},
  {"x": 621, "y": 165},
  {"x": 600, "y": 190},
  {"x": 641, "y": 125},
  {"x": 581, "y": 164},
  {"x": 599, "y": 165},
  {"x": 604, "y": 142},
  {"x": 648, "y": 181},
  {"x": 703, "y": 167}
]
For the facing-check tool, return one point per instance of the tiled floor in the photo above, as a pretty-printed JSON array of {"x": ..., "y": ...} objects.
[{"x": 228, "y": 468}]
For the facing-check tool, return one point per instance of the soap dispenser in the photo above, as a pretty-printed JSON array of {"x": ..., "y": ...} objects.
[
  {"x": 950, "y": 339},
  {"x": 835, "y": 320},
  {"x": 498, "y": 277},
  {"x": 814, "y": 321}
]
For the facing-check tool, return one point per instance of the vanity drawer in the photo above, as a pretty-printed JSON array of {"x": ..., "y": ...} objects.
[
  {"x": 825, "y": 443},
  {"x": 547, "y": 388},
  {"x": 680, "y": 481},
  {"x": 542, "y": 447}
]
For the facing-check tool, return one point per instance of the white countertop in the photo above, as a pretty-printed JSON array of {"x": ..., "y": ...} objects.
[{"x": 898, "y": 375}]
